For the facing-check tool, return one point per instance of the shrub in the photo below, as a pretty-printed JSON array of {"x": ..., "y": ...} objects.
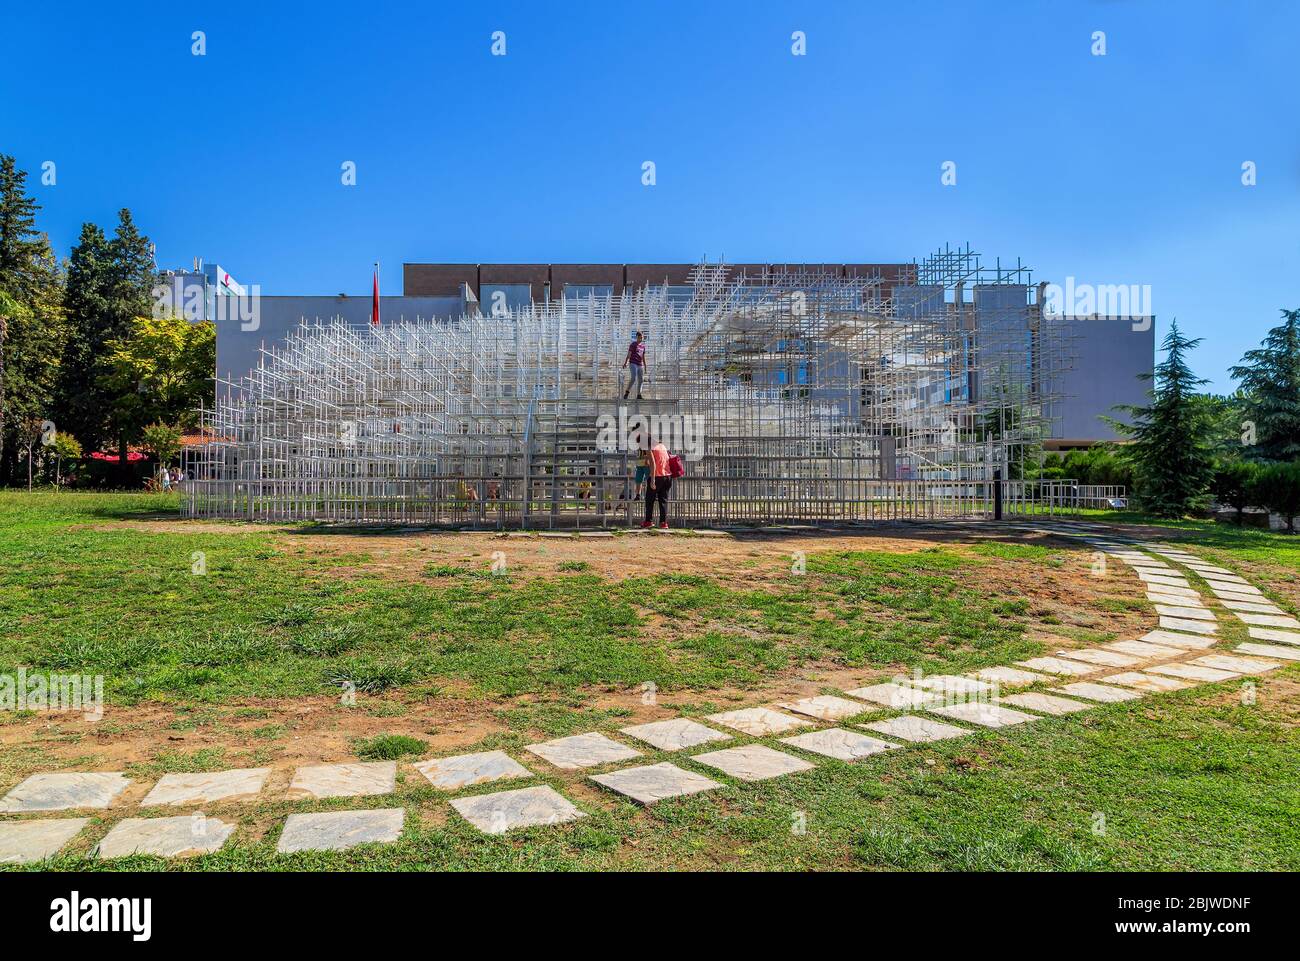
[
  {"x": 1231, "y": 484},
  {"x": 1277, "y": 487}
]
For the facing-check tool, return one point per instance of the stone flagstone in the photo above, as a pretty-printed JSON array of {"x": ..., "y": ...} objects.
[
  {"x": 1008, "y": 676},
  {"x": 1187, "y": 624},
  {"x": 1269, "y": 634},
  {"x": 182, "y": 836},
  {"x": 759, "y": 721},
  {"x": 1237, "y": 591},
  {"x": 64, "y": 791},
  {"x": 1195, "y": 613},
  {"x": 1270, "y": 650},
  {"x": 826, "y": 708},
  {"x": 1143, "y": 649},
  {"x": 678, "y": 733},
  {"x": 950, "y": 685},
  {"x": 839, "y": 744},
  {"x": 1243, "y": 665},
  {"x": 1192, "y": 672},
  {"x": 1044, "y": 703},
  {"x": 1210, "y": 569},
  {"x": 582, "y": 750},
  {"x": 1146, "y": 682},
  {"x": 1269, "y": 620},
  {"x": 522, "y": 808},
  {"x": 1106, "y": 658},
  {"x": 1056, "y": 665},
  {"x": 1186, "y": 593},
  {"x": 1174, "y": 599},
  {"x": 240, "y": 784},
  {"x": 1097, "y": 692},
  {"x": 753, "y": 762},
  {"x": 339, "y": 830},
  {"x": 1167, "y": 581},
  {"x": 983, "y": 714},
  {"x": 1225, "y": 580},
  {"x": 1175, "y": 639},
  {"x": 462, "y": 770},
  {"x": 893, "y": 695},
  {"x": 655, "y": 782},
  {"x": 1252, "y": 607},
  {"x": 25, "y": 842},
  {"x": 913, "y": 727},
  {"x": 363, "y": 779}
]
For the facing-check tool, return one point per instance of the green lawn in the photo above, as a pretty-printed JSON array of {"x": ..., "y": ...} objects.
[{"x": 1193, "y": 779}]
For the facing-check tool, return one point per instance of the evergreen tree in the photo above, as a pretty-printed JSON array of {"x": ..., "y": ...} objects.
[
  {"x": 86, "y": 305},
  {"x": 32, "y": 330},
  {"x": 1270, "y": 380},
  {"x": 1171, "y": 452},
  {"x": 21, "y": 246},
  {"x": 110, "y": 285}
]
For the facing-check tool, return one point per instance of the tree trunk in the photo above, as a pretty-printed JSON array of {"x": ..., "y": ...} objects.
[
  {"x": 29, "y": 468},
  {"x": 122, "y": 464}
]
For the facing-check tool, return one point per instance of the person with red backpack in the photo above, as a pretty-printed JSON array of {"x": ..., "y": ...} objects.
[{"x": 664, "y": 468}]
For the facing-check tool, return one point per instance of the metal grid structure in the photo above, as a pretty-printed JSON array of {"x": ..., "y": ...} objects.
[{"x": 793, "y": 394}]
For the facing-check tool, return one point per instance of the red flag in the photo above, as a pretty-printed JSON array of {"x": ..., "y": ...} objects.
[{"x": 374, "y": 304}]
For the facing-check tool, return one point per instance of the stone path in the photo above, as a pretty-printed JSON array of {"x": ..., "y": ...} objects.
[{"x": 1180, "y": 654}]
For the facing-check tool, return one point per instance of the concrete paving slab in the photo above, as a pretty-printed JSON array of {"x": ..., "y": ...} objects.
[
  {"x": 655, "y": 782},
  {"x": 759, "y": 721},
  {"x": 1192, "y": 672},
  {"x": 1279, "y": 651},
  {"x": 1188, "y": 625},
  {"x": 1044, "y": 703},
  {"x": 238, "y": 785},
  {"x": 1270, "y": 634},
  {"x": 1242, "y": 665},
  {"x": 339, "y": 830},
  {"x": 1176, "y": 639},
  {"x": 1097, "y": 692},
  {"x": 1105, "y": 658},
  {"x": 914, "y": 727},
  {"x": 357, "y": 779},
  {"x": 61, "y": 791},
  {"x": 1146, "y": 682},
  {"x": 1058, "y": 665},
  {"x": 983, "y": 714},
  {"x": 824, "y": 707},
  {"x": 27, "y": 842},
  {"x": 894, "y": 695},
  {"x": 463, "y": 770},
  {"x": 1009, "y": 676},
  {"x": 582, "y": 750},
  {"x": 753, "y": 762},
  {"x": 839, "y": 744},
  {"x": 677, "y": 733},
  {"x": 182, "y": 836},
  {"x": 511, "y": 810}
]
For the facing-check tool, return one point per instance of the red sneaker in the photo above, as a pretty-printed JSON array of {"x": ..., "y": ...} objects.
[
  {"x": 663, "y": 527},
  {"x": 646, "y": 524}
]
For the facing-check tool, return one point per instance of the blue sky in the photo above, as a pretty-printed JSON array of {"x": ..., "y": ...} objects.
[{"x": 1121, "y": 169}]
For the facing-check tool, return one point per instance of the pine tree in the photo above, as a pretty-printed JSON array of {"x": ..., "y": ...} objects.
[
  {"x": 1171, "y": 452},
  {"x": 21, "y": 246},
  {"x": 32, "y": 330},
  {"x": 110, "y": 285},
  {"x": 1270, "y": 380},
  {"x": 86, "y": 305}
]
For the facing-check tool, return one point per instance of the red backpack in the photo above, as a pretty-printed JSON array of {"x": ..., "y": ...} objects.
[{"x": 675, "y": 467}]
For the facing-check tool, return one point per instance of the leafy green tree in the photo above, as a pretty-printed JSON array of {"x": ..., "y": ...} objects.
[
  {"x": 1277, "y": 487},
  {"x": 65, "y": 447},
  {"x": 1171, "y": 451},
  {"x": 159, "y": 372},
  {"x": 163, "y": 441},
  {"x": 1232, "y": 482},
  {"x": 1270, "y": 381}
]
